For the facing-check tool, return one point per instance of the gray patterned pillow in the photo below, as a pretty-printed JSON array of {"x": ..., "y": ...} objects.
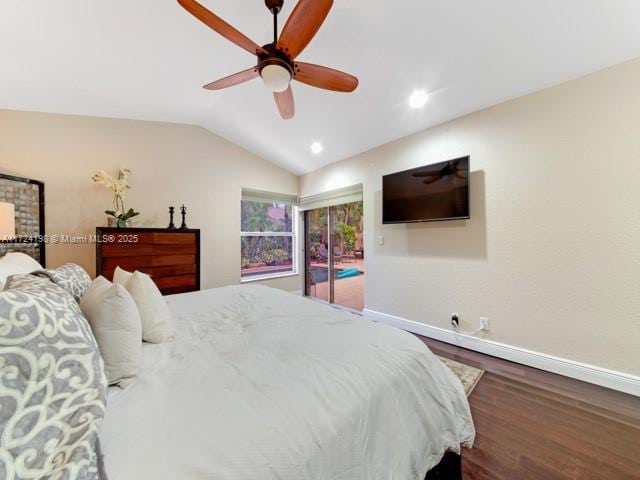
[
  {"x": 25, "y": 280},
  {"x": 73, "y": 278},
  {"x": 52, "y": 384}
]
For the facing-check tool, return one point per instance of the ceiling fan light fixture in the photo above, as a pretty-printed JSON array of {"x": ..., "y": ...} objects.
[{"x": 276, "y": 77}]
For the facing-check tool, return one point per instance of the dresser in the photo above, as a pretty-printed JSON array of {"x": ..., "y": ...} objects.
[{"x": 170, "y": 257}]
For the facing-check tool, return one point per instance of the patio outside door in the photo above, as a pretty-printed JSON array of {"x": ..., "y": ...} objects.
[{"x": 335, "y": 255}]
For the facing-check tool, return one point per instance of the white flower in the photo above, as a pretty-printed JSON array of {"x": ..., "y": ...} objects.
[
  {"x": 100, "y": 176},
  {"x": 119, "y": 186}
]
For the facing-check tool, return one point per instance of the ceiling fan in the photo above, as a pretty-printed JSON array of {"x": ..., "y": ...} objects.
[
  {"x": 277, "y": 64},
  {"x": 450, "y": 169}
]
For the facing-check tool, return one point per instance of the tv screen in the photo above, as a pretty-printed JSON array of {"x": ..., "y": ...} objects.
[{"x": 427, "y": 194}]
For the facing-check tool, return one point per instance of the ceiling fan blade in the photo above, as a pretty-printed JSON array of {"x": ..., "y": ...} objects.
[
  {"x": 223, "y": 28},
  {"x": 234, "y": 79},
  {"x": 302, "y": 25},
  {"x": 324, "y": 77},
  {"x": 285, "y": 103}
]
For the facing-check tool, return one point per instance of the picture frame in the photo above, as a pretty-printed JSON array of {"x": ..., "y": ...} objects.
[{"x": 27, "y": 195}]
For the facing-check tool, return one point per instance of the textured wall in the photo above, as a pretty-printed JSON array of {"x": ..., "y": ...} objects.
[
  {"x": 552, "y": 252},
  {"x": 171, "y": 164}
]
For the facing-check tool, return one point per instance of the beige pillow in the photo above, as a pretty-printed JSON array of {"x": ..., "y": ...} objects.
[
  {"x": 156, "y": 319},
  {"x": 116, "y": 324},
  {"x": 121, "y": 276}
]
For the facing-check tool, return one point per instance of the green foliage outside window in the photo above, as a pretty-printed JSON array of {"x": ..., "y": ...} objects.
[{"x": 259, "y": 247}]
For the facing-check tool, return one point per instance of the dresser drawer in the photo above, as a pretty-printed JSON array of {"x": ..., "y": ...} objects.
[{"x": 138, "y": 249}]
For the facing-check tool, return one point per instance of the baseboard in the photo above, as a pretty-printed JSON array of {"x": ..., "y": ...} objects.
[{"x": 588, "y": 373}]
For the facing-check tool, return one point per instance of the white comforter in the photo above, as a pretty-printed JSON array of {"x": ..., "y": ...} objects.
[{"x": 260, "y": 384}]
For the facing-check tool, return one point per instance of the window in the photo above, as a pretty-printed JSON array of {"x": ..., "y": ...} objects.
[{"x": 267, "y": 236}]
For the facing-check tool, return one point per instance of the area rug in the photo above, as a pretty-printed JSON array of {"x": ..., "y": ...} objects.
[{"x": 468, "y": 375}]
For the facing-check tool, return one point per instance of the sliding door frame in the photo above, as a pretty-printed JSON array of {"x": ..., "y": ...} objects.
[
  {"x": 307, "y": 255},
  {"x": 331, "y": 257},
  {"x": 331, "y": 222}
]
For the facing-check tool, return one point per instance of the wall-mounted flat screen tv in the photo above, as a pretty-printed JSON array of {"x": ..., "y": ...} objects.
[{"x": 427, "y": 194}]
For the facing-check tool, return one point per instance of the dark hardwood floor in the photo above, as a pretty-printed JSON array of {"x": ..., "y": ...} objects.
[{"x": 532, "y": 424}]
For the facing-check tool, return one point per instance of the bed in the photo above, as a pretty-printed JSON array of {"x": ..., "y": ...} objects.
[{"x": 263, "y": 384}]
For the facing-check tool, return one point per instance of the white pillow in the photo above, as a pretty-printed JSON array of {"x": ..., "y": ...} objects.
[
  {"x": 156, "y": 319},
  {"x": 22, "y": 260},
  {"x": 116, "y": 324},
  {"x": 16, "y": 263},
  {"x": 121, "y": 276}
]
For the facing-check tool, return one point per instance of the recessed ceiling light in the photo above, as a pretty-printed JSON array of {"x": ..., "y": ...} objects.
[
  {"x": 418, "y": 99},
  {"x": 316, "y": 148}
]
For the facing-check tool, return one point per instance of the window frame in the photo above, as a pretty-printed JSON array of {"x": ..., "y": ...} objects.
[{"x": 293, "y": 234}]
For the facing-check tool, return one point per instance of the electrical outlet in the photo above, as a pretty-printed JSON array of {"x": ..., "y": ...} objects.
[
  {"x": 455, "y": 320},
  {"x": 484, "y": 323}
]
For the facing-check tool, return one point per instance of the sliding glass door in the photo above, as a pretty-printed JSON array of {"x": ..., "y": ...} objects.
[
  {"x": 348, "y": 255},
  {"x": 335, "y": 255}
]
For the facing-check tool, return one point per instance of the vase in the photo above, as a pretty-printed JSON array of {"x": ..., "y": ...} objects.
[{"x": 118, "y": 223}]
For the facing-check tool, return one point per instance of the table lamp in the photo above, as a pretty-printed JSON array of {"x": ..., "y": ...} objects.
[{"x": 7, "y": 221}]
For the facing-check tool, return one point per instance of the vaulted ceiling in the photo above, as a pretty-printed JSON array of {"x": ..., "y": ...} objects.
[{"x": 147, "y": 59}]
